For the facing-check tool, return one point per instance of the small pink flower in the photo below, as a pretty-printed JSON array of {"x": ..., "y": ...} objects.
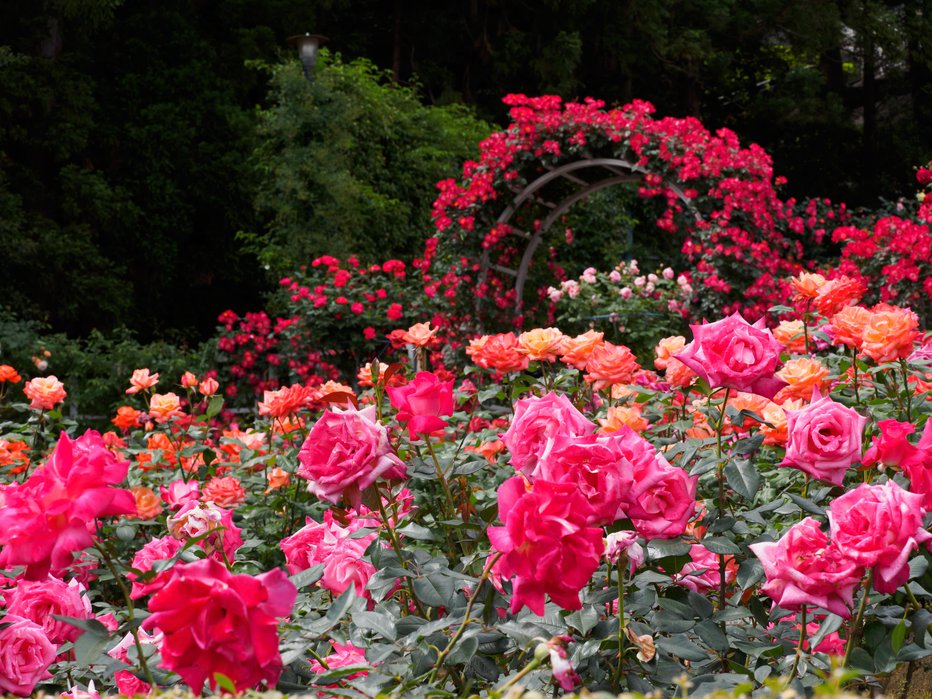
[
  {"x": 141, "y": 380},
  {"x": 25, "y": 655}
]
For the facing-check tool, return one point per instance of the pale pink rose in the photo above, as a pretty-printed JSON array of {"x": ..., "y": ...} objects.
[
  {"x": 733, "y": 353},
  {"x": 588, "y": 276},
  {"x": 624, "y": 543},
  {"x": 331, "y": 544},
  {"x": 614, "y": 276},
  {"x": 177, "y": 493},
  {"x": 879, "y": 527},
  {"x": 668, "y": 273},
  {"x": 625, "y": 293},
  {"x": 554, "y": 294},
  {"x": 803, "y": 568},
  {"x": 547, "y": 546},
  {"x": 346, "y": 452},
  {"x": 39, "y": 600},
  {"x": 44, "y": 392},
  {"x": 161, "y": 549},
  {"x": 824, "y": 439},
  {"x": 536, "y": 420},
  {"x": 195, "y": 519},
  {"x": 25, "y": 655}
]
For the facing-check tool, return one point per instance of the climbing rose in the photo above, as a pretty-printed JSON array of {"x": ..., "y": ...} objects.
[
  {"x": 421, "y": 402},
  {"x": 732, "y": 353},
  {"x": 547, "y": 547},
  {"x": 216, "y": 622}
]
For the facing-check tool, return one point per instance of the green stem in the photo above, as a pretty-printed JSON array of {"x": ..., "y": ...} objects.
[
  {"x": 799, "y": 646},
  {"x": 721, "y": 494},
  {"x": 533, "y": 665},
  {"x": 462, "y": 628},
  {"x": 909, "y": 397},
  {"x": 396, "y": 546},
  {"x": 855, "y": 636},
  {"x": 101, "y": 548},
  {"x": 854, "y": 364},
  {"x": 441, "y": 476},
  {"x": 620, "y": 584}
]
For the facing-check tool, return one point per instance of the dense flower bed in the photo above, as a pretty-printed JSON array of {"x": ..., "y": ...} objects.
[{"x": 740, "y": 507}]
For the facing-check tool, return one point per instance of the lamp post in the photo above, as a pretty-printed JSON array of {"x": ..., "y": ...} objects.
[{"x": 307, "y": 45}]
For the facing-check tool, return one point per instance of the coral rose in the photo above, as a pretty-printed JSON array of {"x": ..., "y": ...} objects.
[
  {"x": 733, "y": 353},
  {"x": 127, "y": 416},
  {"x": 421, "y": 402},
  {"x": 498, "y": 352},
  {"x": 878, "y": 527},
  {"x": 25, "y": 655},
  {"x": 890, "y": 334},
  {"x": 208, "y": 386},
  {"x": 824, "y": 439},
  {"x": 609, "y": 365},
  {"x": 577, "y": 350},
  {"x": 619, "y": 415},
  {"x": 285, "y": 401},
  {"x": 216, "y": 622},
  {"x": 346, "y": 452},
  {"x": 803, "y": 376},
  {"x": 419, "y": 334},
  {"x": 806, "y": 286},
  {"x": 837, "y": 293},
  {"x": 141, "y": 380},
  {"x": 847, "y": 326},
  {"x": 163, "y": 407},
  {"x": 547, "y": 546},
  {"x": 44, "y": 393},
  {"x": 792, "y": 335},
  {"x": 225, "y": 491},
  {"x": 8, "y": 373},
  {"x": 541, "y": 344},
  {"x": 148, "y": 504},
  {"x": 803, "y": 568},
  {"x": 665, "y": 350}
]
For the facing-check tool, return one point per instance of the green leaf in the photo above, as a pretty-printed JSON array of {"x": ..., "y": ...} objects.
[
  {"x": 416, "y": 531},
  {"x": 435, "y": 590},
  {"x": 898, "y": 636},
  {"x": 379, "y": 622},
  {"x": 683, "y": 648},
  {"x": 749, "y": 573},
  {"x": 721, "y": 545},
  {"x": 214, "y": 406},
  {"x": 464, "y": 650},
  {"x": 224, "y": 682},
  {"x": 743, "y": 477},
  {"x": 661, "y": 548},
  {"x": 89, "y": 646},
  {"x": 308, "y": 577},
  {"x": 830, "y": 624}
]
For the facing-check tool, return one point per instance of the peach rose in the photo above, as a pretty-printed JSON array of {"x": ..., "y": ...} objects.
[
  {"x": 847, "y": 326},
  {"x": 541, "y": 344},
  {"x": 806, "y": 286},
  {"x": 208, "y": 386},
  {"x": 225, "y": 491},
  {"x": 791, "y": 334},
  {"x": 775, "y": 415},
  {"x": 610, "y": 364},
  {"x": 163, "y": 407},
  {"x": 188, "y": 380},
  {"x": 141, "y": 380},
  {"x": 890, "y": 334},
  {"x": 278, "y": 478},
  {"x": 498, "y": 352},
  {"x": 837, "y": 293},
  {"x": 678, "y": 374},
  {"x": 619, "y": 416},
  {"x": 802, "y": 376},
  {"x": 419, "y": 334},
  {"x": 44, "y": 392},
  {"x": 148, "y": 504},
  {"x": 577, "y": 350},
  {"x": 666, "y": 348},
  {"x": 489, "y": 450}
]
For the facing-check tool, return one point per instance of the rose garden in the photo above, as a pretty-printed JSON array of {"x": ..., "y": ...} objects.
[{"x": 419, "y": 479}]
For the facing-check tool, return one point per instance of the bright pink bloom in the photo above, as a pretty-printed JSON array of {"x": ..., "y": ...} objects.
[
  {"x": 733, "y": 353},
  {"x": 536, "y": 420},
  {"x": 50, "y": 517},
  {"x": 421, "y": 402},
  {"x": 161, "y": 549},
  {"x": 217, "y": 622},
  {"x": 25, "y": 655},
  {"x": 127, "y": 683},
  {"x": 39, "y": 600},
  {"x": 547, "y": 547},
  {"x": 879, "y": 526},
  {"x": 342, "y": 656},
  {"x": 824, "y": 439},
  {"x": 891, "y": 447},
  {"x": 703, "y": 571},
  {"x": 177, "y": 493},
  {"x": 346, "y": 452},
  {"x": 803, "y": 568},
  {"x": 330, "y": 544}
]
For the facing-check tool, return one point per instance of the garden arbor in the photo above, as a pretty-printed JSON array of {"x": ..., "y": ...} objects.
[{"x": 492, "y": 227}]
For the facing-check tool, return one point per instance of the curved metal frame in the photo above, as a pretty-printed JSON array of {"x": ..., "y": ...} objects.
[{"x": 621, "y": 172}]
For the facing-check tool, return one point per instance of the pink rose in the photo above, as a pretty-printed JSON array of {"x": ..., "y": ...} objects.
[
  {"x": 732, "y": 353},
  {"x": 195, "y": 519},
  {"x": 162, "y": 549},
  {"x": 39, "y": 600},
  {"x": 177, "y": 493},
  {"x": 421, "y": 402},
  {"x": 891, "y": 447},
  {"x": 547, "y": 547},
  {"x": 346, "y": 452},
  {"x": 823, "y": 439},
  {"x": 25, "y": 655},
  {"x": 214, "y": 621},
  {"x": 342, "y": 656},
  {"x": 918, "y": 467},
  {"x": 44, "y": 392},
  {"x": 536, "y": 420},
  {"x": 703, "y": 571},
  {"x": 127, "y": 683},
  {"x": 330, "y": 544},
  {"x": 624, "y": 543},
  {"x": 50, "y": 517},
  {"x": 879, "y": 526},
  {"x": 803, "y": 568}
]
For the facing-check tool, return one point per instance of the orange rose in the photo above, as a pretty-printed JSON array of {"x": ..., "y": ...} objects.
[
  {"x": 419, "y": 334},
  {"x": 148, "y": 504},
  {"x": 234, "y": 441},
  {"x": 610, "y": 364},
  {"x": 666, "y": 348},
  {"x": 365, "y": 375},
  {"x": 752, "y": 403},
  {"x": 14, "y": 453},
  {"x": 126, "y": 417},
  {"x": 775, "y": 415},
  {"x": 803, "y": 375},
  {"x": 806, "y": 286},
  {"x": 44, "y": 392},
  {"x": 288, "y": 424},
  {"x": 163, "y": 407},
  {"x": 619, "y": 416},
  {"x": 141, "y": 380},
  {"x": 890, "y": 334},
  {"x": 208, "y": 386},
  {"x": 8, "y": 373},
  {"x": 285, "y": 401},
  {"x": 333, "y": 393},
  {"x": 541, "y": 344},
  {"x": 837, "y": 293},
  {"x": 226, "y": 492},
  {"x": 498, "y": 352},
  {"x": 678, "y": 374},
  {"x": 847, "y": 326},
  {"x": 791, "y": 334},
  {"x": 577, "y": 350},
  {"x": 188, "y": 380},
  {"x": 278, "y": 478},
  {"x": 489, "y": 450}
]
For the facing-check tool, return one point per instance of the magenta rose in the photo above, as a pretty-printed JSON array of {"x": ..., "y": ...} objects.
[
  {"x": 330, "y": 544},
  {"x": 547, "y": 546},
  {"x": 732, "y": 353},
  {"x": 703, "y": 570},
  {"x": 213, "y": 621},
  {"x": 25, "y": 655},
  {"x": 421, "y": 402},
  {"x": 823, "y": 439},
  {"x": 50, "y": 517},
  {"x": 162, "y": 549},
  {"x": 803, "y": 568},
  {"x": 537, "y": 420},
  {"x": 39, "y": 600},
  {"x": 346, "y": 452},
  {"x": 892, "y": 446},
  {"x": 879, "y": 527}
]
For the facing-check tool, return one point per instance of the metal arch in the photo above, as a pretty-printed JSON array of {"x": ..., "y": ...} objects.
[{"x": 623, "y": 171}]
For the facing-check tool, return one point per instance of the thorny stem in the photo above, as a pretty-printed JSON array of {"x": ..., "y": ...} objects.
[
  {"x": 396, "y": 547},
  {"x": 799, "y": 646},
  {"x": 855, "y": 635}
]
